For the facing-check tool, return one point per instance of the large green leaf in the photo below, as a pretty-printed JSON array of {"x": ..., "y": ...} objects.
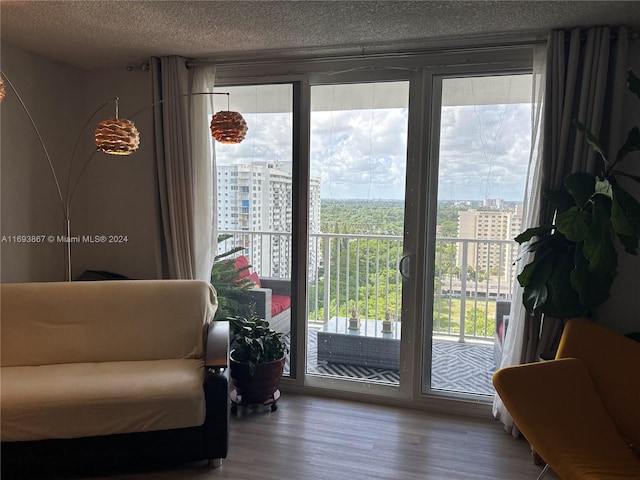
[
  {"x": 579, "y": 275},
  {"x": 535, "y": 292},
  {"x": 625, "y": 218},
  {"x": 533, "y": 232},
  {"x": 591, "y": 140},
  {"x": 539, "y": 244},
  {"x": 563, "y": 300},
  {"x": 582, "y": 186},
  {"x": 561, "y": 199},
  {"x": 593, "y": 287},
  {"x": 598, "y": 247},
  {"x": 572, "y": 224},
  {"x": 633, "y": 82},
  {"x": 524, "y": 278},
  {"x": 631, "y": 144},
  {"x": 629, "y": 205},
  {"x": 621, "y": 223},
  {"x": 534, "y": 296}
]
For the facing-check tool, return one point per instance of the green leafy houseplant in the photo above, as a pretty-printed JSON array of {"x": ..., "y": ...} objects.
[
  {"x": 575, "y": 260},
  {"x": 233, "y": 291},
  {"x": 254, "y": 342}
]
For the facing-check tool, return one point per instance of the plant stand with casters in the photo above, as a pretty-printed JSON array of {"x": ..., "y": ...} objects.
[{"x": 237, "y": 401}]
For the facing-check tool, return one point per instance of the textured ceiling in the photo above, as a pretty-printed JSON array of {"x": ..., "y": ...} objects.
[{"x": 94, "y": 34}]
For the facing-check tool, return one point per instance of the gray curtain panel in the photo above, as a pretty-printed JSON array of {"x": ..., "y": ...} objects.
[
  {"x": 586, "y": 80},
  {"x": 583, "y": 75}
]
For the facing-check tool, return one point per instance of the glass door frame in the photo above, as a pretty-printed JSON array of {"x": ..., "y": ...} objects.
[
  {"x": 434, "y": 78},
  {"x": 420, "y": 68},
  {"x": 408, "y": 324}
]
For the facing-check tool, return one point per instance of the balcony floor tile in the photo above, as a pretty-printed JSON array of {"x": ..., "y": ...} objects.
[{"x": 457, "y": 367}]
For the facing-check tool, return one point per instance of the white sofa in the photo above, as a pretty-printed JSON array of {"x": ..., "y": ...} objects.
[{"x": 136, "y": 366}]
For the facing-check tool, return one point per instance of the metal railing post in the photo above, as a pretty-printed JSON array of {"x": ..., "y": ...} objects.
[
  {"x": 463, "y": 290},
  {"x": 327, "y": 278}
]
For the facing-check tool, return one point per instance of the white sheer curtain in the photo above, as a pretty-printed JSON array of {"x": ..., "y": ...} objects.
[
  {"x": 519, "y": 328},
  {"x": 205, "y": 195},
  {"x": 184, "y": 161}
]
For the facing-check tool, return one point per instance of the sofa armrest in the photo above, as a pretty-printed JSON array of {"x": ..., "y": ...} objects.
[
  {"x": 217, "y": 346},
  {"x": 279, "y": 286}
]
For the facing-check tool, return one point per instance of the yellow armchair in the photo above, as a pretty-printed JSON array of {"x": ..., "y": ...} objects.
[{"x": 581, "y": 411}]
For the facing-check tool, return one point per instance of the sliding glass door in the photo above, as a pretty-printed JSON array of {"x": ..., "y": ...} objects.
[
  {"x": 254, "y": 197},
  {"x": 358, "y": 153},
  {"x": 483, "y": 129},
  {"x": 386, "y": 193}
]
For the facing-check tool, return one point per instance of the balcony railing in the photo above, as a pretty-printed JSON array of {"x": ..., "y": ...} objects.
[{"x": 348, "y": 271}]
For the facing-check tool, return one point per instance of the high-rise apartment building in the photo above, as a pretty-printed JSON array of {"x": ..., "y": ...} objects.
[
  {"x": 489, "y": 225},
  {"x": 258, "y": 198}
]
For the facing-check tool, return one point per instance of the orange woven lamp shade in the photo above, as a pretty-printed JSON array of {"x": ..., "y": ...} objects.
[
  {"x": 116, "y": 136},
  {"x": 228, "y": 127},
  {"x": 2, "y": 90}
]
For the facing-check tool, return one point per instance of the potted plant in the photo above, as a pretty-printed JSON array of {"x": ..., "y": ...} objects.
[
  {"x": 257, "y": 359},
  {"x": 575, "y": 260}
]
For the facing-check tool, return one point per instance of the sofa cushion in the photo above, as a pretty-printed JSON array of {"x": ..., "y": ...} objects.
[
  {"x": 84, "y": 322},
  {"x": 255, "y": 279},
  {"x": 279, "y": 303},
  {"x": 242, "y": 265},
  {"x": 89, "y": 399}
]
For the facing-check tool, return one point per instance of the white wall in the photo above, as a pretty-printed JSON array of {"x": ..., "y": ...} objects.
[
  {"x": 115, "y": 196},
  {"x": 118, "y": 195},
  {"x": 29, "y": 201}
]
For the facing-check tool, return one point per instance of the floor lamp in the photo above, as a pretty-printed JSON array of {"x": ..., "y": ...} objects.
[{"x": 116, "y": 136}]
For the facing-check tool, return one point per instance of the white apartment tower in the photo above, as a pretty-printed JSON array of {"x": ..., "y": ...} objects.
[
  {"x": 257, "y": 198},
  {"x": 489, "y": 225}
]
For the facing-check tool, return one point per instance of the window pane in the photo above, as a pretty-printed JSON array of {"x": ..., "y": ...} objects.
[
  {"x": 254, "y": 195},
  {"x": 485, "y": 137},
  {"x": 358, "y": 158}
]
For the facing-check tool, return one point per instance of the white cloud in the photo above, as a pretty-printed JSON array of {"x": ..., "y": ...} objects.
[
  {"x": 484, "y": 152},
  {"x": 362, "y": 153}
]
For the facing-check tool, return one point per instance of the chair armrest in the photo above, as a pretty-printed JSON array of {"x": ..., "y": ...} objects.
[
  {"x": 557, "y": 408},
  {"x": 279, "y": 286},
  {"x": 217, "y": 346}
]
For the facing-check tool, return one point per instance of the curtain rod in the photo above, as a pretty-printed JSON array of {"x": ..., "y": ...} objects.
[
  {"x": 372, "y": 55},
  {"x": 363, "y": 55},
  {"x": 632, "y": 36}
]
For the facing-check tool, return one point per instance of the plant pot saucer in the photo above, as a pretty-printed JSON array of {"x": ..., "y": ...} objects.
[{"x": 237, "y": 401}]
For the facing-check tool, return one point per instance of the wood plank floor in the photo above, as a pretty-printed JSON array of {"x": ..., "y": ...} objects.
[{"x": 312, "y": 438}]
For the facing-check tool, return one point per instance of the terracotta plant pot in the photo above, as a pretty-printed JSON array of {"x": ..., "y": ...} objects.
[{"x": 259, "y": 387}]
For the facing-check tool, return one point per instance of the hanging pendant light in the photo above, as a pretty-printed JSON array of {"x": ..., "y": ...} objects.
[
  {"x": 117, "y": 136},
  {"x": 228, "y": 127}
]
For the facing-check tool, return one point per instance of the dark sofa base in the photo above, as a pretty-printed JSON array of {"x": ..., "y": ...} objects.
[
  {"x": 61, "y": 458},
  {"x": 51, "y": 458}
]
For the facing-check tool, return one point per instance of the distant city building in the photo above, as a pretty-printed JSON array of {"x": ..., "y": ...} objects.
[
  {"x": 489, "y": 225},
  {"x": 493, "y": 203},
  {"x": 258, "y": 198}
]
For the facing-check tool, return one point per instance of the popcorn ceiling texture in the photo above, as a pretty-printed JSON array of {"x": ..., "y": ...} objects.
[{"x": 96, "y": 34}]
